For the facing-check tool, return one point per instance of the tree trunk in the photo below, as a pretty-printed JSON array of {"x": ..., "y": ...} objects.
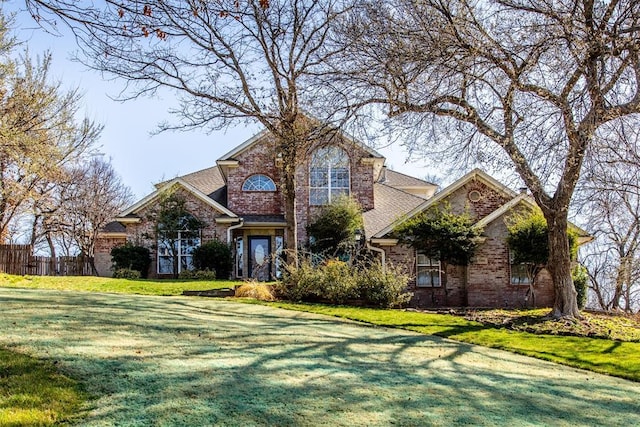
[
  {"x": 92, "y": 265},
  {"x": 559, "y": 266},
  {"x": 52, "y": 251},
  {"x": 287, "y": 149}
]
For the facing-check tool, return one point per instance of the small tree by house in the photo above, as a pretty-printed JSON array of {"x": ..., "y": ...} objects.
[
  {"x": 441, "y": 234},
  {"x": 529, "y": 245},
  {"x": 333, "y": 232},
  {"x": 177, "y": 232}
]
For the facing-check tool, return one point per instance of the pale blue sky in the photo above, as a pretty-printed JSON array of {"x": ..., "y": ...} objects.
[{"x": 140, "y": 158}]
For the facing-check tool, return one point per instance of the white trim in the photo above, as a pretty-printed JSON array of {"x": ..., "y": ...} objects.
[
  {"x": 190, "y": 188},
  {"x": 384, "y": 242},
  {"x": 111, "y": 235},
  {"x": 128, "y": 220},
  {"x": 523, "y": 197},
  {"x": 228, "y": 163}
]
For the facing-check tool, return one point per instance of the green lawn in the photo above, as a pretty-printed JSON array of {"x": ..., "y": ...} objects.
[
  {"x": 33, "y": 393},
  {"x": 617, "y": 358},
  {"x": 107, "y": 284},
  {"x": 184, "y": 361}
]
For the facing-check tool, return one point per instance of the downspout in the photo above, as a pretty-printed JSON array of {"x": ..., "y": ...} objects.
[
  {"x": 383, "y": 255},
  {"x": 233, "y": 227}
]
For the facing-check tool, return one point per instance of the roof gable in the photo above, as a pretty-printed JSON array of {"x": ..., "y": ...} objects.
[
  {"x": 524, "y": 199},
  {"x": 476, "y": 174},
  {"x": 260, "y": 136},
  {"x": 188, "y": 187}
]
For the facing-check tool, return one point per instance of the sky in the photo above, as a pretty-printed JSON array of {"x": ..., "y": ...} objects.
[{"x": 140, "y": 157}]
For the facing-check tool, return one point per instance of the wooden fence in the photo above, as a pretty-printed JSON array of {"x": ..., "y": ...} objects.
[{"x": 19, "y": 259}]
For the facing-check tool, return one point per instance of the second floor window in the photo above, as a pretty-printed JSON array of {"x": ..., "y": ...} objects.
[
  {"x": 328, "y": 175},
  {"x": 259, "y": 182}
]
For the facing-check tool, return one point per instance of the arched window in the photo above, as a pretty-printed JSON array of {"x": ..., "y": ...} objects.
[
  {"x": 259, "y": 182},
  {"x": 328, "y": 175}
]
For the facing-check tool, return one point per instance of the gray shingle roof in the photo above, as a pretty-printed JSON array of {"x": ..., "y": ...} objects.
[
  {"x": 206, "y": 180},
  {"x": 397, "y": 179},
  {"x": 390, "y": 204}
]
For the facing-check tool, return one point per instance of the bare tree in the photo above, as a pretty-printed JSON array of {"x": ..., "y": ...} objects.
[
  {"x": 91, "y": 196},
  {"x": 609, "y": 199},
  {"x": 229, "y": 61},
  {"x": 525, "y": 80}
]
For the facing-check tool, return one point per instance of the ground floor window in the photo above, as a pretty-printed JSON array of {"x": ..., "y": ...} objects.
[
  {"x": 520, "y": 272},
  {"x": 177, "y": 248},
  {"x": 428, "y": 271}
]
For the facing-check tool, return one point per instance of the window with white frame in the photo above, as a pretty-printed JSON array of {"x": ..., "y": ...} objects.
[
  {"x": 259, "y": 182},
  {"x": 328, "y": 175},
  {"x": 520, "y": 272},
  {"x": 428, "y": 271},
  {"x": 178, "y": 247}
]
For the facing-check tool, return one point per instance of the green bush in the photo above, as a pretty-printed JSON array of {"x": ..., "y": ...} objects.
[
  {"x": 126, "y": 273},
  {"x": 580, "y": 282},
  {"x": 337, "y": 282},
  {"x": 383, "y": 288},
  {"x": 214, "y": 256},
  {"x": 197, "y": 275},
  {"x": 131, "y": 257}
]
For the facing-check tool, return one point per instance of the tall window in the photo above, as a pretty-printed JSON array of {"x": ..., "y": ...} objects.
[
  {"x": 259, "y": 182},
  {"x": 178, "y": 246},
  {"x": 328, "y": 175},
  {"x": 428, "y": 271}
]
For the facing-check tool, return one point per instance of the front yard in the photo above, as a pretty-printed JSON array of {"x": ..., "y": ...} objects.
[{"x": 147, "y": 360}]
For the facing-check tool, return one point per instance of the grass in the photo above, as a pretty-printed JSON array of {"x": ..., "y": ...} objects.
[
  {"x": 147, "y": 360},
  {"x": 33, "y": 393},
  {"x": 107, "y": 284},
  {"x": 607, "y": 356}
]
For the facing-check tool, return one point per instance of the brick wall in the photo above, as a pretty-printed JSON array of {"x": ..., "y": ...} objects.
[
  {"x": 490, "y": 199},
  {"x": 489, "y": 283},
  {"x": 486, "y": 282},
  {"x": 260, "y": 158},
  {"x": 102, "y": 253}
]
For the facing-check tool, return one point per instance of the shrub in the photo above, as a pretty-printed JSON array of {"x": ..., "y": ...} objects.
[
  {"x": 131, "y": 257},
  {"x": 126, "y": 273},
  {"x": 580, "y": 282},
  {"x": 383, "y": 288},
  {"x": 197, "y": 275},
  {"x": 255, "y": 290},
  {"x": 214, "y": 256},
  {"x": 337, "y": 282}
]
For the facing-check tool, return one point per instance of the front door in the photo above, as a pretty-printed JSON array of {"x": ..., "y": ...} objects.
[{"x": 260, "y": 257}]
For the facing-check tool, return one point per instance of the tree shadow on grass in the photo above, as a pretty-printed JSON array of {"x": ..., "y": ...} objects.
[{"x": 161, "y": 361}]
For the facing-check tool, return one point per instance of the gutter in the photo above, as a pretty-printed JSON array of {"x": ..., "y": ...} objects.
[
  {"x": 382, "y": 253},
  {"x": 233, "y": 227}
]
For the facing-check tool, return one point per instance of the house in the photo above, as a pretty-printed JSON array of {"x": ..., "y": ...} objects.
[{"x": 240, "y": 202}]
